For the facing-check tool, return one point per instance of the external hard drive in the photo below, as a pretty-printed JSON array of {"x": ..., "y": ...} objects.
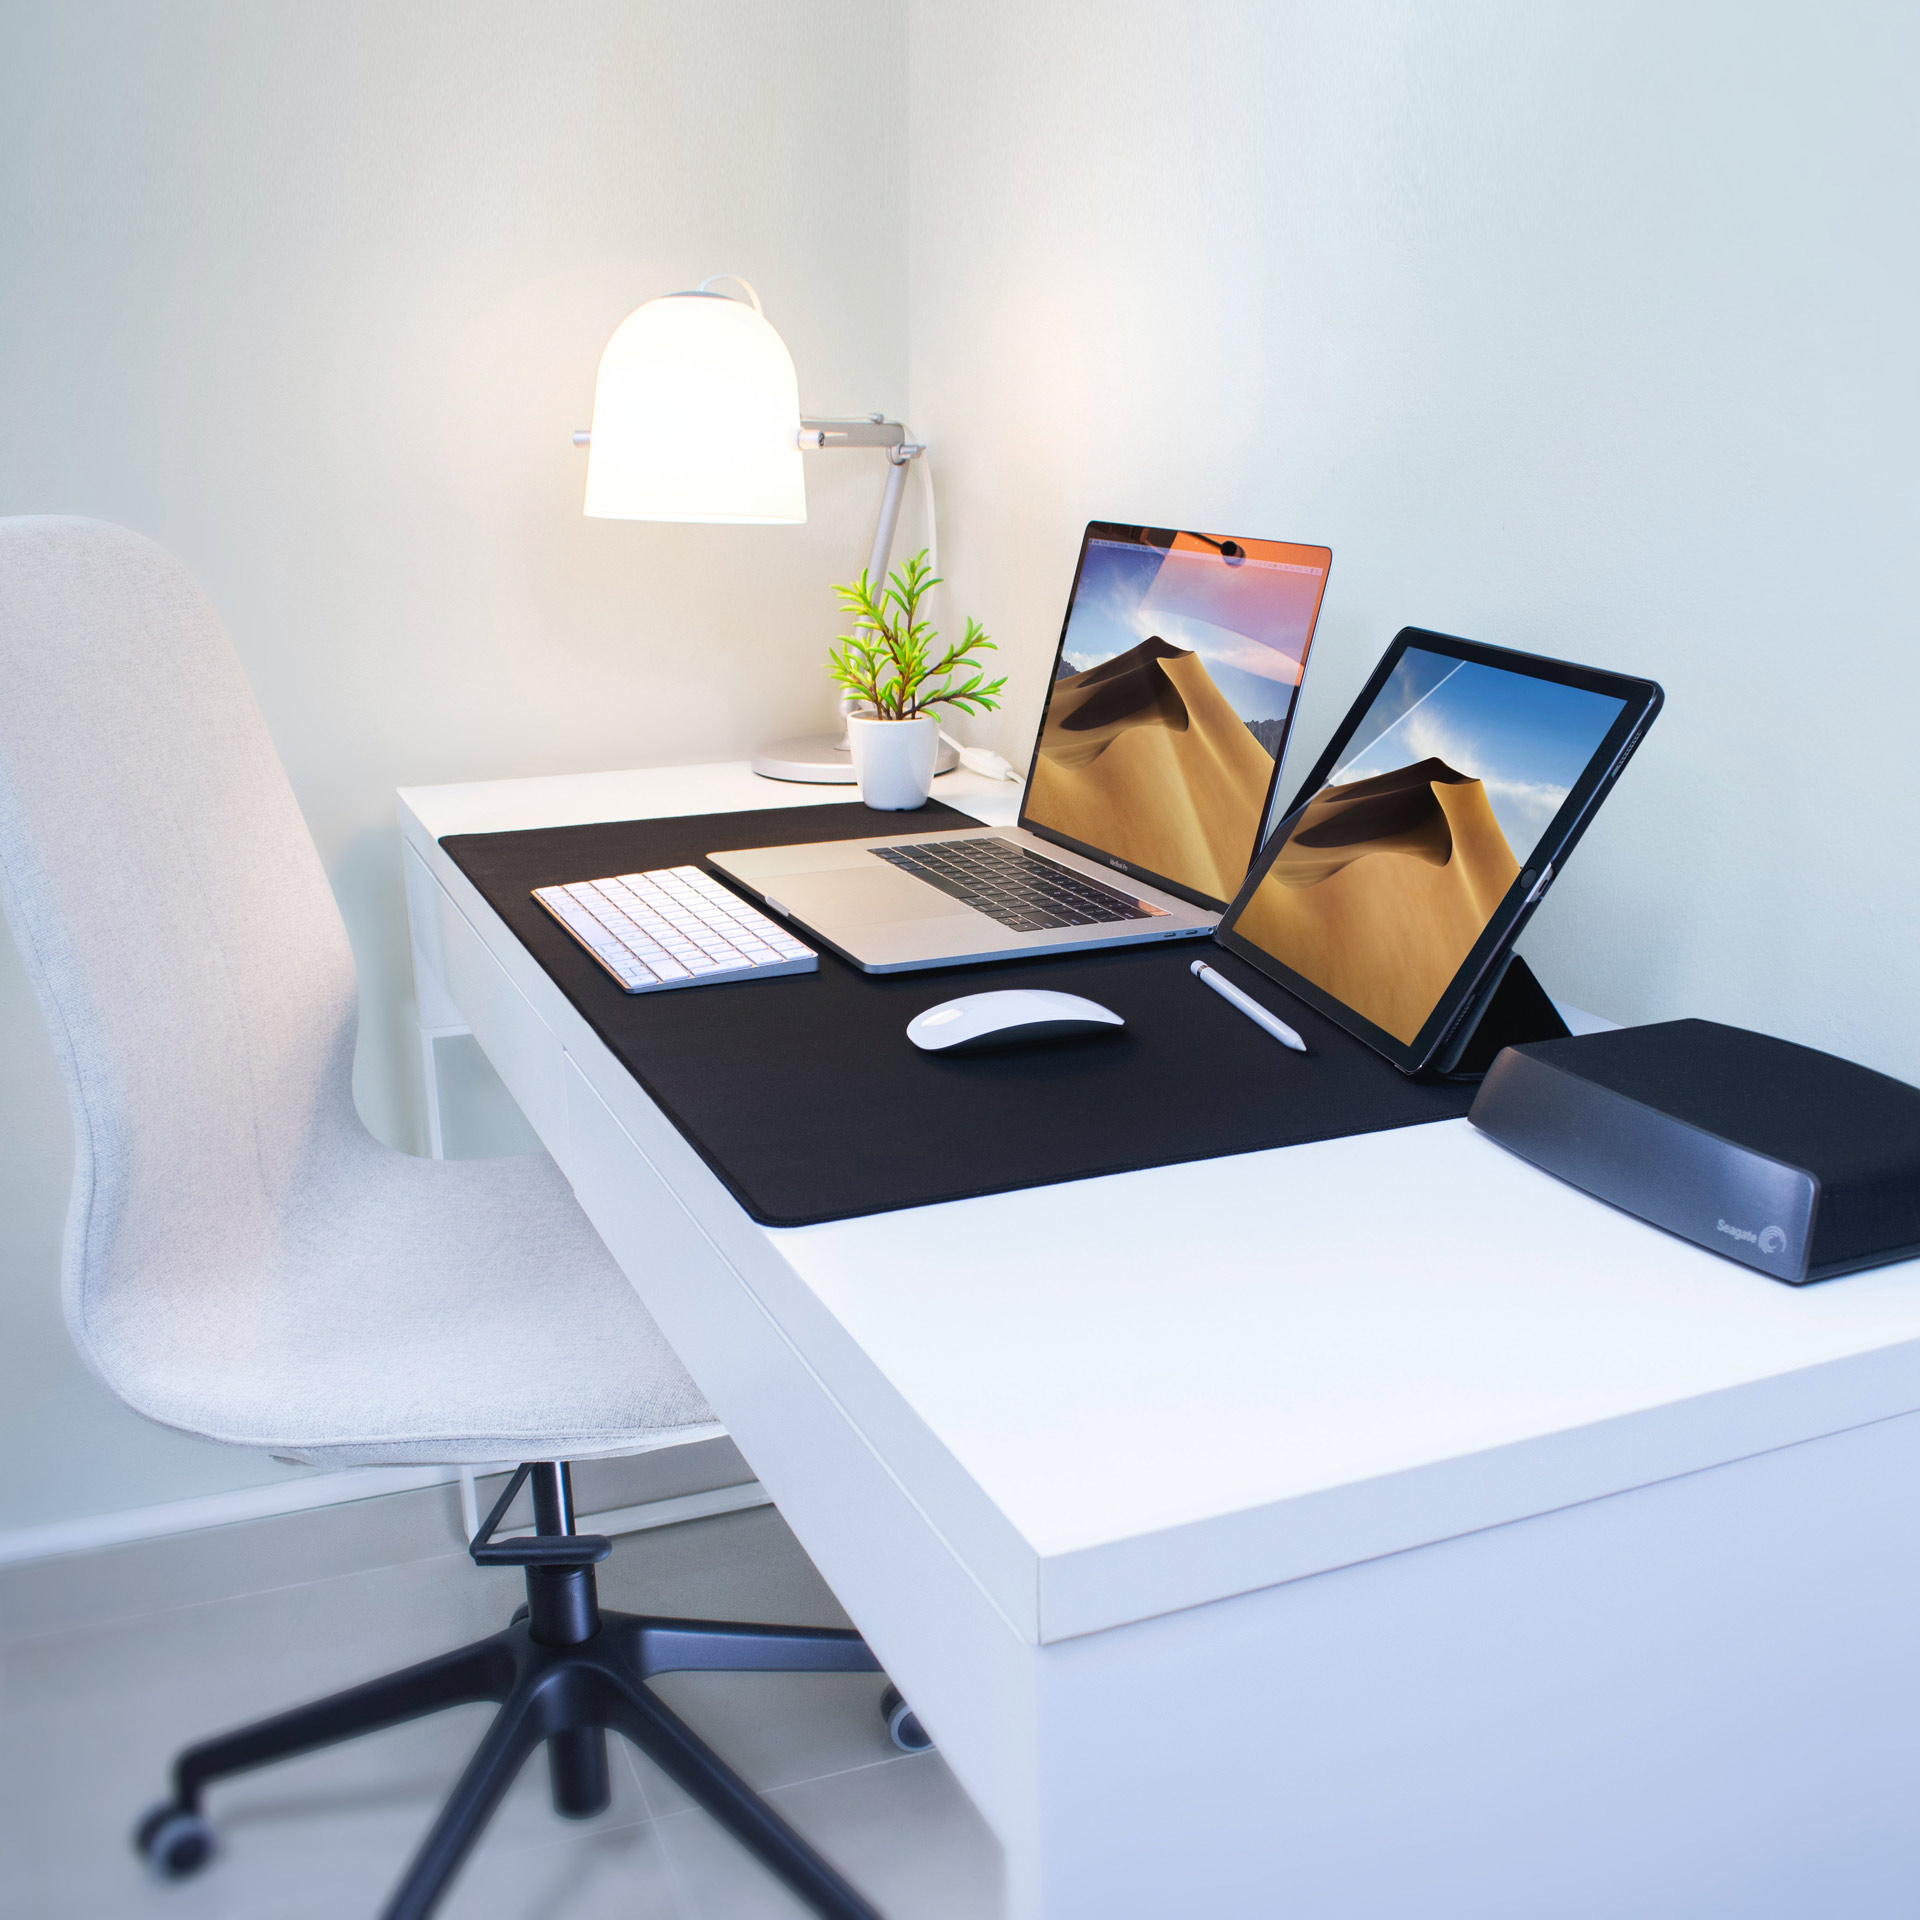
[{"x": 1776, "y": 1155}]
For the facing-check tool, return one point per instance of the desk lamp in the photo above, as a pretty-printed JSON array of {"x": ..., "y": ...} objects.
[{"x": 696, "y": 416}]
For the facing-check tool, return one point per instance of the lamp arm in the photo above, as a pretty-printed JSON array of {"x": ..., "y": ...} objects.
[
  {"x": 815, "y": 435},
  {"x": 898, "y": 462},
  {"x": 889, "y": 521},
  {"x": 873, "y": 430}
]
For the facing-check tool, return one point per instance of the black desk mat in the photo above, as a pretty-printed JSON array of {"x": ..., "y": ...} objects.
[{"x": 806, "y": 1098}]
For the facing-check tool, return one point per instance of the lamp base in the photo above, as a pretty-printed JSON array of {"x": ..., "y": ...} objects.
[{"x": 821, "y": 760}]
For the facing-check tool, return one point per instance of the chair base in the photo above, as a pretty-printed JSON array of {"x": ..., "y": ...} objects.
[{"x": 569, "y": 1696}]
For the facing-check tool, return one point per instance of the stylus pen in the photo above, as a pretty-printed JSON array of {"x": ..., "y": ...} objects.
[{"x": 1251, "y": 1008}]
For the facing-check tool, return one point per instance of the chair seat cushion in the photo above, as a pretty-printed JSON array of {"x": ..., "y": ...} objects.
[{"x": 409, "y": 1312}]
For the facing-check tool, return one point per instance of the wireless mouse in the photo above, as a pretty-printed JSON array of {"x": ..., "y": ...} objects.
[{"x": 1009, "y": 1018}]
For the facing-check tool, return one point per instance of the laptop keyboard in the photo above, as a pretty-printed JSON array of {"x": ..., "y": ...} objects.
[
  {"x": 1022, "y": 891},
  {"x": 674, "y": 927}
]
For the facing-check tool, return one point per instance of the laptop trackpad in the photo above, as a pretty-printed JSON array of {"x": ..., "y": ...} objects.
[{"x": 869, "y": 896}]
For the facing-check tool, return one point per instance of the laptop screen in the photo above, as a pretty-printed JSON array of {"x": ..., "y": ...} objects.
[{"x": 1174, "y": 688}]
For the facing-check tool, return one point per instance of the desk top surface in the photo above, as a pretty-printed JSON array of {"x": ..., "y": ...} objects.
[{"x": 1180, "y": 1383}]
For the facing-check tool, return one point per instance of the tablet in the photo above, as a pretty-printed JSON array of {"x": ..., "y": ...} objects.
[{"x": 1390, "y": 893}]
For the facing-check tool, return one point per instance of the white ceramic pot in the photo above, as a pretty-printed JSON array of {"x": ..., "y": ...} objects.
[{"x": 893, "y": 760}]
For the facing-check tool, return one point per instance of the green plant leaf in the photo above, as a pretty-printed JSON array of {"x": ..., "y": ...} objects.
[{"x": 892, "y": 660}]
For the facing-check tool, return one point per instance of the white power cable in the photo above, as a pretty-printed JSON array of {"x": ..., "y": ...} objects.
[
  {"x": 924, "y": 461},
  {"x": 738, "y": 280},
  {"x": 981, "y": 760}
]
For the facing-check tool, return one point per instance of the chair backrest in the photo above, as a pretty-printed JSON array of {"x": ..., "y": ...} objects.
[{"x": 174, "y": 918}]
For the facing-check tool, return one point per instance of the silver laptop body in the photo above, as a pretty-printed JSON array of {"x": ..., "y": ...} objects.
[
  {"x": 888, "y": 918},
  {"x": 1154, "y": 767}
]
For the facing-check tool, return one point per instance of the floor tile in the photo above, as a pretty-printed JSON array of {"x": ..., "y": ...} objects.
[
  {"x": 318, "y": 1857},
  {"x": 90, "y": 1718},
  {"x": 774, "y": 1729},
  {"x": 901, "y": 1831},
  {"x": 603, "y": 1873},
  {"x": 736, "y": 1566},
  {"x": 147, "y": 1576},
  {"x": 104, "y": 1711}
]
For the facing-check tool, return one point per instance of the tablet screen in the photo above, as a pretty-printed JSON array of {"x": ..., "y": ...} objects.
[{"x": 1388, "y": 874}]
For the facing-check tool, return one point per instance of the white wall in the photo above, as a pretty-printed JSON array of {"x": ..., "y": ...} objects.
[
  {"x": 314, "y": 293},
  {"x": 1582, "y": 329}
]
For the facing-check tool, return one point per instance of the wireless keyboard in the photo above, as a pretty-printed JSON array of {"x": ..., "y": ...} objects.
[{"x": 674, "y": 927}]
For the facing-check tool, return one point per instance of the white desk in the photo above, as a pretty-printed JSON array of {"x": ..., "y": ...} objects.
[{"x": 1368, "y": 1528}]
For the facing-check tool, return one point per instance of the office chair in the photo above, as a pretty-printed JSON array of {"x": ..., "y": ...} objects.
[{"x": 243, "y": 1261}]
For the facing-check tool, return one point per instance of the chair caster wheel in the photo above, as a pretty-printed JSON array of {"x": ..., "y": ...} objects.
[
  {"x": 903, "y": 1724},
  {"x": 173, "y": 1842}
]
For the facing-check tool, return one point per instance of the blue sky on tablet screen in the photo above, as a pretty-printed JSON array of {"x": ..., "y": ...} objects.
[{"x": 1527, "y": 741}]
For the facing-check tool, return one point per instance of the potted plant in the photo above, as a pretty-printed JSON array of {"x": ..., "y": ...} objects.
[{"x": 892, "y": 663}]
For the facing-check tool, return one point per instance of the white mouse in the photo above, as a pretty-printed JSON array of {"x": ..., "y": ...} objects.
[{"x": 1007, "y": 1018}]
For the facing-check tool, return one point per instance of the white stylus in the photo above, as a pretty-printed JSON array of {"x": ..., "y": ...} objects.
[{"x": 1251, "y": 1008}]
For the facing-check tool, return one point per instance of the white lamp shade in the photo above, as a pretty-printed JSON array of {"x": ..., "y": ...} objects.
[{"x": 696, "y": 416}]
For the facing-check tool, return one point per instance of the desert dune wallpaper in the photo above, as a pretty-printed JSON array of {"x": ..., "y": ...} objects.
[
  {"x": 1175, "y": 688},
  {"x": 1387, "y": 876}
]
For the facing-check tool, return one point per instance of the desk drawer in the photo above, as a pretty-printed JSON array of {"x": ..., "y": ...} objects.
[{"x": 516, "y": 1040}]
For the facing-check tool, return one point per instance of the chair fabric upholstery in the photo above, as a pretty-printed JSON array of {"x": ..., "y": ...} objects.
[{"x": 243, "y": 1260}]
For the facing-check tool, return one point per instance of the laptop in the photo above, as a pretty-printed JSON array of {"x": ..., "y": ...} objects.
[{"x": 1166, "y": 719}]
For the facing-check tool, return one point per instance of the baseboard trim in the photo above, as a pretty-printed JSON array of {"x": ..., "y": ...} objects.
[
  {"x": 664, "y": 1513},
  {"x": 92, "y": 1532},
  {"x": 95, "y": 1532}
]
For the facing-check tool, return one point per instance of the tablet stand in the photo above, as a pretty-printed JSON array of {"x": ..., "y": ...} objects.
[{"x": 1513, "y": 1012}]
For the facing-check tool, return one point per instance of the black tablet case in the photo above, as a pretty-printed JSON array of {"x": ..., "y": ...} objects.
[
  {"x": 806, "y": 1098},
  {"x": 1509, "y": 1007}
]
